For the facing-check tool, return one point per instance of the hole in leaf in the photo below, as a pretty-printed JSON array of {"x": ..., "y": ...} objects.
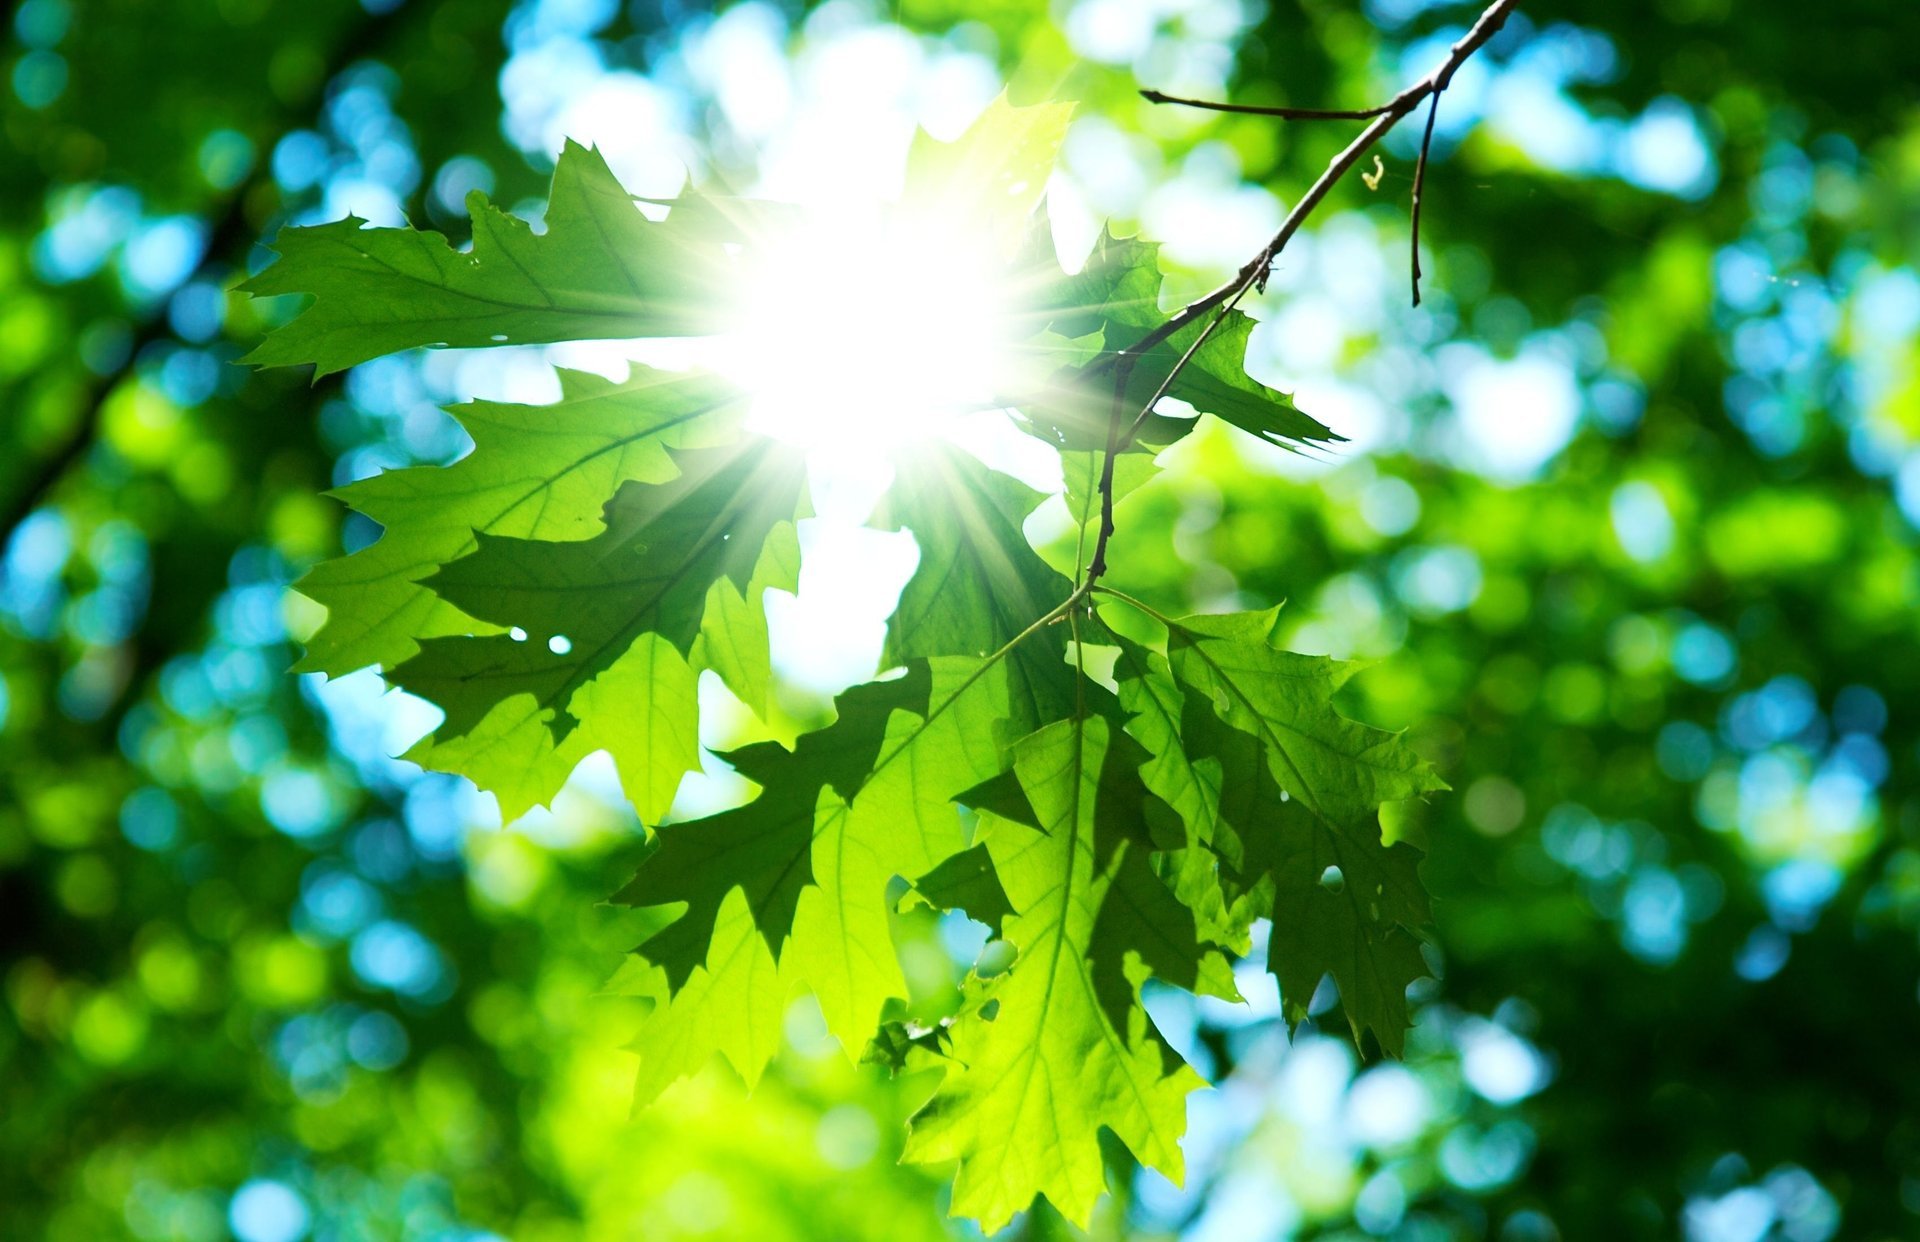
[
  {"x": 517, "y": 634},
  {"x": 559, "y": 644},
  {"x": 994, "y": 959},
  {"x": 1332, "y": 880}
]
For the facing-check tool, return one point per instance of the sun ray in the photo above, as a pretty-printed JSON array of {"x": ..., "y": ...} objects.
[{"x": 862, "y": 331}]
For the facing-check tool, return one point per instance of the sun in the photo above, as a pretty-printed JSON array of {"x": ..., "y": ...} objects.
[{"x": 859, "y": 332}]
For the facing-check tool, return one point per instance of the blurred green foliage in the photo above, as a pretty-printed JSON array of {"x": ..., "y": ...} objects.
[{"x": 260, "y": 980}]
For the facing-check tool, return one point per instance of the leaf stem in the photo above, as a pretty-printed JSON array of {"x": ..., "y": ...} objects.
[
  {"x": 1138, "y": 605},
  {"x": 1006, "y": 649}
]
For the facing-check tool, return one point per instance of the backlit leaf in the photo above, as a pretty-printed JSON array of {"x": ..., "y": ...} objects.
[
  {"x": 1033, "y": 1084},
  {"x": 600, "y": 270}
]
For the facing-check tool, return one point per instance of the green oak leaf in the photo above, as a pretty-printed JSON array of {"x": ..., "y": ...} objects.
[
  {"x": 1203, "y": 866},
  {"x": 760, "y": 851},
  {"x": 1033, "y": 1084},
  {"x": 1119, "y": 284},
  {"x": 967, "y": 882},
  {"x": 988, "y": 181},
  {"x": 1215, "y": 381},
  {"x": 763, "y": 847},
  {"x": 979, "y": 583},
  {"x": 1141, "y": 916},
  {"x": 600, "y": 271},
  {"x": 868, "y": 798},
  {"x": 902, "y": 822},
  {"x": 1117, "y": 293},
  {"x": 535, "y": 472},
  {"x": 678, "y": 571},
  {"x": 643, "y": 710},
  {"x": 1304, "y": 789},
  {"x": 732, "y": 1003},
  {"x": 1359, "y": 926},
  {"x": 543, "y": 472},
  {"x": 575, "y": 607}
]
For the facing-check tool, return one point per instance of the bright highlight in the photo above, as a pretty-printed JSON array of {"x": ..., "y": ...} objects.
[{"x": 860, "y": 335}]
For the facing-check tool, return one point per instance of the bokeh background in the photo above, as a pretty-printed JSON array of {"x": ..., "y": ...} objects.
[{"x": 1627, "y": 525}]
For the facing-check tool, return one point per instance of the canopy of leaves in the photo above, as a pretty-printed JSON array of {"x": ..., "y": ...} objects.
[
  {"x": 250, "y": 960},
  {"x": 558, "y": 590}
]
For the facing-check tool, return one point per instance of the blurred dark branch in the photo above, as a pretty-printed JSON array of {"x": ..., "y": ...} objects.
[
  {"x": 1255, "y": 272},
  {"x": 228, "y": 242}
]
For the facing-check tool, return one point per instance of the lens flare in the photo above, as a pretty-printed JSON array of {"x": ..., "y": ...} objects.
[{"x": 862, "y": 334}]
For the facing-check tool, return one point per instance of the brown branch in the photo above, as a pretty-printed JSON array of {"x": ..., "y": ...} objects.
[
  {"x": 1219, "y": 317},
  {"x": 1484, "y": 29},
  {"x": 1419, "y": 184},
  {"x": 1254, "y": 273},
  {"x": 1284, "y": 113},
  {"x": 1122, "y": 373}
]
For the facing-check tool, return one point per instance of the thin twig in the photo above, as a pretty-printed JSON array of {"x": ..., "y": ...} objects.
[
  {"x": 1488, "y": 25},
  {"x": 1274, "y": 110},
  {"x": 1122, "y": 374},
  {"x": 1253, "y": 274},
  {"x": 1419, "y": 183},
  {"x": 1220, "y": 317}
]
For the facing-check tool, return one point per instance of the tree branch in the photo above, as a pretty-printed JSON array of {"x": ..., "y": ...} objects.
[
  {"x": 1419, "y": 184},
  {"x": 1254, "y": 273},
  {"x": 1122, "y": 373},
  {"x": 1284, "y": 113}
]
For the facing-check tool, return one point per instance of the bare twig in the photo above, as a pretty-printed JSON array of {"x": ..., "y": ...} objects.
[
  {"x": 1146, "y": 411},
  {"x": 1122, "y": 373},
  {"x": 1253, "y": 274},
  {"x": 1284, "y": 113},
  {"x": 1419, "y": 184},
  {"x": 1406, "y": 101}
]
